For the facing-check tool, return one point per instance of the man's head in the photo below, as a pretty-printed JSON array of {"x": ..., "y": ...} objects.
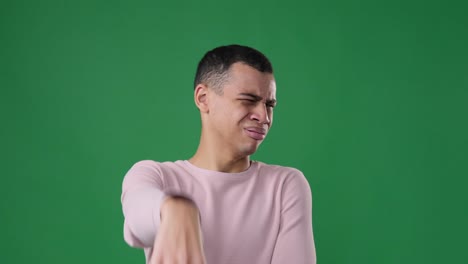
[
  {"x": 236, "y": 92},
  {"x": 213, "y": 68}
]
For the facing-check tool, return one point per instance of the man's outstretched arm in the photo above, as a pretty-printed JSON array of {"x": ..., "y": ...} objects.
[
  {"x": 153, "y": 219},
  {"x": 179, "y": 240},
  {"x": 142, "y": 197}
]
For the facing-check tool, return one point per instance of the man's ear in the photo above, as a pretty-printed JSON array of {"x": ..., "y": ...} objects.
[{"x": 201, "y": 97}]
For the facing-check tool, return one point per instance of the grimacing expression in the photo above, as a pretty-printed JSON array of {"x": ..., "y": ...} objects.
[{"x": 242, "y": 114}]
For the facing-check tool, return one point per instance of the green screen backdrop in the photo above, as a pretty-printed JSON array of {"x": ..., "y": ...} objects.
[{"x": 372, "y": 107}]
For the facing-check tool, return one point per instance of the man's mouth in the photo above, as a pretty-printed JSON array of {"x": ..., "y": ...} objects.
[{"x": 256, "y": 133}]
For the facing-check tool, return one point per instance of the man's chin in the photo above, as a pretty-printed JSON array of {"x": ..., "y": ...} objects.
[{"x": 251, "y": 149}]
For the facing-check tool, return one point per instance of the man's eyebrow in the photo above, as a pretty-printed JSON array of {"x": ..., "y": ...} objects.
[
  {"x": 254, "y": 96},
  {"x": 271, "y": 102},
  {"x": 258, "y": 98}
]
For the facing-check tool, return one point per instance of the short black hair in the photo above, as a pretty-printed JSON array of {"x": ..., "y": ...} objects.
[{"x": 213, "y": 68}]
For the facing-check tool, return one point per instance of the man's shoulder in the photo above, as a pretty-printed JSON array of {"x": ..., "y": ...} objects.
[
  {"x": 149, "y": 162},
  {"x": 280, "y": 169},
  {"x": 153, "y": 166},
  {"x": 291, "y": 179}
]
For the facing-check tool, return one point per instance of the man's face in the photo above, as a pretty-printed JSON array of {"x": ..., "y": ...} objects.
[{"x": 243, "y": 114}]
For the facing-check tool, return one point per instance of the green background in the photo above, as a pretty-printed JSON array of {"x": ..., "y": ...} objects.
[{"x": 372, "y": 107}]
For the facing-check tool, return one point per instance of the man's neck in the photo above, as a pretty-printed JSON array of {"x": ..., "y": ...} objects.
[{"x": 211, "y": 160}]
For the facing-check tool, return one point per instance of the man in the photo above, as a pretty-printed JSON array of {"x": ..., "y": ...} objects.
[{"x": 220, "y": 207}]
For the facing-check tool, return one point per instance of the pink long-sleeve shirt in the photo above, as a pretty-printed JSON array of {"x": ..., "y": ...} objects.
[{"x": 258, "y": 216}]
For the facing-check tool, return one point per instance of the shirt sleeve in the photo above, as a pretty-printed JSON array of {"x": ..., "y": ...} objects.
[
  {"x": 295, "y": 241},
  {"x": 142, "y": 197}
]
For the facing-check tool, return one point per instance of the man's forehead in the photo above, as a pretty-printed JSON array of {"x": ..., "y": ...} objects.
[
  {"x": 245, "y": 79},
  {"x": 243, "y": 72},
  {"x": 257, "y": 87},
  {"x": 267, "y": 90}
]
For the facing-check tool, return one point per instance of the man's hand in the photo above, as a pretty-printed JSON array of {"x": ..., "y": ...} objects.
[{"x": 179, "y": 239}]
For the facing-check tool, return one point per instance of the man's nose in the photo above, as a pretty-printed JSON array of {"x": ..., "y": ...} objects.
[{"x": 260, "y": 114}]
